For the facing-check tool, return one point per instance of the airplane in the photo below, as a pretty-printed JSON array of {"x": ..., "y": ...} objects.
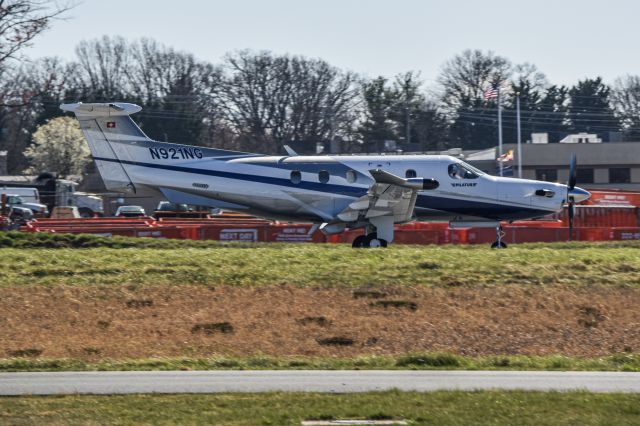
[{"x": 334, "y": 192}]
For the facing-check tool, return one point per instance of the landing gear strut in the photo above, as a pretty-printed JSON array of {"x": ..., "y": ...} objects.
[
  {"x": 370, "y": 240},
  {"x": 499, "y": 244}
]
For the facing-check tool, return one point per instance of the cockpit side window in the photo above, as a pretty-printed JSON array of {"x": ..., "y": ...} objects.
[{"x": 459, "y": 171}]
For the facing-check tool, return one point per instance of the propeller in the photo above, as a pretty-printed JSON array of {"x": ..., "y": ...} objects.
[{"x": 573, "y": 172}]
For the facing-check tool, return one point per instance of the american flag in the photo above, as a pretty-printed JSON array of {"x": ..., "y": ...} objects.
[{"x": 491, "y": 93}]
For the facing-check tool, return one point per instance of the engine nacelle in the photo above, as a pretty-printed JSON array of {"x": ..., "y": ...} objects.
[{"x": 422, "y": 183}]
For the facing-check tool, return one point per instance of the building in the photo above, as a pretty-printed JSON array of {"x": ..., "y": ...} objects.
[{"x": 600, "y": 165}]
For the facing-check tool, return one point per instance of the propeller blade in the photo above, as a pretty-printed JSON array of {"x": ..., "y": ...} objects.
[
  {"x": 573, "y": 172},
  {"x": 571, "y": 214}
]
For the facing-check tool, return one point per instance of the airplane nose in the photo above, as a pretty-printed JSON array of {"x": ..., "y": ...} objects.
[{"x": 579, "y": 195}]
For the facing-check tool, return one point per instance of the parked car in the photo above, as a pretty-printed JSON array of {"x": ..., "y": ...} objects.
[
  {"x": 20, "y": 214},
  {"x": 168, "y": 206},
  {"x": 130, "y": 211},
  {"x": 17, "y": 200}
]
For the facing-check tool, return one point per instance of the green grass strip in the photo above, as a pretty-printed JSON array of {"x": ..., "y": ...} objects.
[
  {"x": 126, "y": 261},
  {"x": 283, "y": 409},
  {"x": 415, "y": 361}
]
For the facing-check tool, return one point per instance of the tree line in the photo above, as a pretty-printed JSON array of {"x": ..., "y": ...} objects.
[{"x": 258, "y": 101}]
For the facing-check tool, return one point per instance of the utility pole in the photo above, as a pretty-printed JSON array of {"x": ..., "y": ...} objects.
[
  {"x": 500, "y": 131},
  {"x": 519, "y": 154},
  {"x": 408, "y": 126}
]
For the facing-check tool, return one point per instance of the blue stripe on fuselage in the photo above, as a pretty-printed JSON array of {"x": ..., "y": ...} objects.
[{"x": 351, "y": 191}]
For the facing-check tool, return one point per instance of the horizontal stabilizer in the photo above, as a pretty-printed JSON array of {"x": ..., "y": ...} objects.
[{"x": 101, "y": 110}]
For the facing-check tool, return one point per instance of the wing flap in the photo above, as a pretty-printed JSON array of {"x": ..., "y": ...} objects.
[{"x": 390, "y": 195}]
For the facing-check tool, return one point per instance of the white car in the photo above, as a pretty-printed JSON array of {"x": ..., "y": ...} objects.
[{"x": 130, "y": 211}]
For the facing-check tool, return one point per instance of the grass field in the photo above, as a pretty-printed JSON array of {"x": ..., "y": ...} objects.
[
  {"x": 85, "y": 302},
  {"x": 281, "y": 409},
  {"x": 151, "y": 262}
]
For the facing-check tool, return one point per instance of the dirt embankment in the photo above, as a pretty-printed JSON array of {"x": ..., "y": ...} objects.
[{"x": 128, "y": 322}]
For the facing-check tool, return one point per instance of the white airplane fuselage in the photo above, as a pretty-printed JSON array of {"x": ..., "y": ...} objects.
[{"x": 337, "y": 190}]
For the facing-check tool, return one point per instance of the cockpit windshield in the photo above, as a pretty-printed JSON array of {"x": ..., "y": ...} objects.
[{"x": 464, "y": 171}]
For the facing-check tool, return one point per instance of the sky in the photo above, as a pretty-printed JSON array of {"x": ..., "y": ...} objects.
[{"x": 567, "y": 40}]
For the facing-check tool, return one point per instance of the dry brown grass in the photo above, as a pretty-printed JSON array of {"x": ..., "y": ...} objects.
[{"x": 103, "y": 322}]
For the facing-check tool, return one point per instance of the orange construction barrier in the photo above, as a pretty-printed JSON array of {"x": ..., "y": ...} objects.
[{"x": 614, "y": 198}]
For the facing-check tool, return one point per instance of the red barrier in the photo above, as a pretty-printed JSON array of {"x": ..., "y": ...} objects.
[
  {"x": 294, "y": 233},
  {"x": 592, "y": 223},
  {"x": 614, "y": 198},
  {"x": 602, "y": 216},
  {"x": 233, "y": 232},
  {"x": 624, "y": 234}
]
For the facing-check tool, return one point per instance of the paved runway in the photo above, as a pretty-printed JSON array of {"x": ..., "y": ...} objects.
[{"x": 115, "y": 382}]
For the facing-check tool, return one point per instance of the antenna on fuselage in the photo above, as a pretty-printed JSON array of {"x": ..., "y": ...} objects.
[{"x": 290, "y": 151}]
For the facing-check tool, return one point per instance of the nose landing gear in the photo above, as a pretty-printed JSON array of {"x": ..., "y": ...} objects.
[{"x": 499, "y": 244}]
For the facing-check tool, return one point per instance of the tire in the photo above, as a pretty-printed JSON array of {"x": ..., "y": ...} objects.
[
  {"x": 501, "y": 246},
  {"x": 85, "y": 212},
  {"x": 373, "y": 241},
  {"x": 359, "y": 242}
]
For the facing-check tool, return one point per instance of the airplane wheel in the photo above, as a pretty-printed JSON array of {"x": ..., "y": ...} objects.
[
  {"x": 373, "y": 241},
  {"x": 500, "y": 245},
  {"x": 359, "y": 242}
]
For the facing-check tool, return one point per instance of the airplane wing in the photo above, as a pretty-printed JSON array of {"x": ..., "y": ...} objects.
[{"x": 390, "y": 195}]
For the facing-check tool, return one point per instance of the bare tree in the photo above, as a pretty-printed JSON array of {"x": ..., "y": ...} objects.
[
  {"x": 467, "y": 76},
  {"x": 33, "y": 93},
  {"x": 270, "y": 100},
  {"x": 100, "y": 73},
  {"x": 463, "y": 82},
  {"x": 625, "y": 99},
  {"x": 22, "y": 20}
]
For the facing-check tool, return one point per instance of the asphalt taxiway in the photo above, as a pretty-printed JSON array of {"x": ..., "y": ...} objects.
[{"x": 128, "y": 382}]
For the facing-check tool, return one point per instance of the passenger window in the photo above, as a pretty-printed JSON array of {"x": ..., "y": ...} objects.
[
  {"x": 296, "y": 177},
  {"x": 410, "y": 174},
  {"x": 323, "y": 176},
  {"x": 351, "y": 176}
]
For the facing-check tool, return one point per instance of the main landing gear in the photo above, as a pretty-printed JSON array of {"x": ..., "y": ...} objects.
[
  {"x": 370, "y": 240},
  {"x": 499, "y": 244}
]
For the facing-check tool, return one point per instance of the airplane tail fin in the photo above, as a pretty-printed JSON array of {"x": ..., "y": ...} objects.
[
  {"x": 116, "y": 143},
  {"x": 109, "y": 132}
]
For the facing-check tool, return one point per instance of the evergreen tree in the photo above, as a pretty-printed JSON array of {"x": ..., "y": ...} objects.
[
  {"x": 377, "y": 126},
  {"x": 590, "y": 109}
]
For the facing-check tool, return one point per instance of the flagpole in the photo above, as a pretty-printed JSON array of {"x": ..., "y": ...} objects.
[
  {"x": 500, "y": 131},
  {"x": 519, "y": 136}
]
